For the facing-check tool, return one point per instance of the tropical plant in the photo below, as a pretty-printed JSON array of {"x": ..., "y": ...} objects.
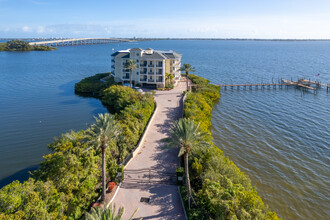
[
  {"x": 107, "y": 214},
  {"x": 93, "y": 86},
  {"x": 131, "y": 65},
  {"x": 104, "y": 131},
  {"x": 187, "y": 68},
  {"x": 169, "y": 77},
  {"x": 186, "y": 135}
]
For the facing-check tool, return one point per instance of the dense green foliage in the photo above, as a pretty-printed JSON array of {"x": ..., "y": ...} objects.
[
  {"x": 19, "y": 45},
  {"x": 93, "y": 86},
  {"x": 68, "y": 181},
  {"x": 222, "y": 191}
]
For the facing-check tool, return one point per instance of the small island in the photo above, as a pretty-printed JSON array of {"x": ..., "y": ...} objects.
[{"x": 20, "y": 45}]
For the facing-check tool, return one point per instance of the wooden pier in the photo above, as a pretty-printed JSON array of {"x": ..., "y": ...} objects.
[{"x": 300, "y": 83}]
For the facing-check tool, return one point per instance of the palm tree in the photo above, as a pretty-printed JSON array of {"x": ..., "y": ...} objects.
[
  {"x": 169, "y": 77},
  {"x": 186, "y": 135},
  {"x": 101, "y": 133},
  {"x": 131, "y": 65},
  {"x": 187, "y": 68},
  {"x": 107, "y": 214}
]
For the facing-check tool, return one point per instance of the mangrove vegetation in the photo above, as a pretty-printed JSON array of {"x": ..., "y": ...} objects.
[
  {"x": 19, "y": 45},
  {"x": 220, "y": 190},
  {"x": 69, "y": 179}
]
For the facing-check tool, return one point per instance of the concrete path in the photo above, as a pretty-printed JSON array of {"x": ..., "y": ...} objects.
[{"x": 151, "y": 174}]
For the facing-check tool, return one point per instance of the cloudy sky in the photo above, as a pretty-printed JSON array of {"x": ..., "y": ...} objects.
[{"x": 289, "y": 19}]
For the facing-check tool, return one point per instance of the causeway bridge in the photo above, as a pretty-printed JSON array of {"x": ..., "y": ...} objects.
[{"x": 80, "y": 41}]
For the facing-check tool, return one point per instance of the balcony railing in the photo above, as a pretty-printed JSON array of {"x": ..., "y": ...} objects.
[
  {"x": 150, "y": 65},
  {"x": 159, "y": 65},
  {"x": 143, "y": 79},
  {"x": 143, "y": 64}
]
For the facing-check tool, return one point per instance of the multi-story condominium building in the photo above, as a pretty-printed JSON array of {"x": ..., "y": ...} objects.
[{"x": 151, "y": 66}]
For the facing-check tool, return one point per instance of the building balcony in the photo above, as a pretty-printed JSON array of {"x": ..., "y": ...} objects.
[
  {"x": 143, "y": 65},
  {"x": 151, "y": 65},
  {"x": 143, "y": 79},
  {"x": 112, "y": 66},
  {"x": 159, "y": 66}
]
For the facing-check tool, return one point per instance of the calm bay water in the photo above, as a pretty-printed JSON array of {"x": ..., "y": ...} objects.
[{"x": 280, "y": 138}]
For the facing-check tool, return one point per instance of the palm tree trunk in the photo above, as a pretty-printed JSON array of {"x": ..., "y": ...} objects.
[
  {"x": 187, "y": 177},
  {"x": 103, "y": 175},
  {"x": 130, "y": 77},
  {"x": 187, "y": 80}
]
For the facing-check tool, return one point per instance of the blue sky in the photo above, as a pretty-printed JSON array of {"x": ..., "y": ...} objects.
[{"x": 299, "y": 19}]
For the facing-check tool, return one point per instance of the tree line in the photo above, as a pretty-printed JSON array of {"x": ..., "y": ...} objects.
[{"x": 20, "y": 45}]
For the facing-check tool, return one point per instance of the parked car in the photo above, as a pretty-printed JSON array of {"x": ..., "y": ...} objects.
[{"x": 138, "y": 89}]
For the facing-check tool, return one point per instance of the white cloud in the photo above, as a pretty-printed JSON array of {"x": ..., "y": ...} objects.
[
  {"x": 276, "y": 27},
  {"x": 26, "y": 29},
  {"x": 41, "y": 30}
]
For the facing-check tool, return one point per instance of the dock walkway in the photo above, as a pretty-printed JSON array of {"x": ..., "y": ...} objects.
[{"x": 300, "y": 83}]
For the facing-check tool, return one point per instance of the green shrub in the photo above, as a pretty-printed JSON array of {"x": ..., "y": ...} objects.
[
  {"x": 68, "y": 180},
  {"x": 19, "y": 45},
  {"x": 93, "y": 86},
  {"x": 222, "y": 191},
  {"x": 116, "y": 98}
]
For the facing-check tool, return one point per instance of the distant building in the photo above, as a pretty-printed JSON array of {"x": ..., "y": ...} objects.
[{"x": 151, "y": 66}]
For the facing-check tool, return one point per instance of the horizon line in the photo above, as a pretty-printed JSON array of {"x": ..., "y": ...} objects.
[{"x": 176, "y": 38}]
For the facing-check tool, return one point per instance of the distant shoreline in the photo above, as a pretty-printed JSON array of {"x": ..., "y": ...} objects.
[{"x": 149, "y": 39}]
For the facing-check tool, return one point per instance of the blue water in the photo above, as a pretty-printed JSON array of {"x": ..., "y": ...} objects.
[{"x": 279, "y": 137}]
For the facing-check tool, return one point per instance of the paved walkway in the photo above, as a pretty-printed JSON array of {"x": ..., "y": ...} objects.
[{"x": 151, "y": 174}]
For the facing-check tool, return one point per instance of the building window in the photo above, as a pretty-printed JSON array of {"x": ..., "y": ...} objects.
[
  {"x": 137, "y": 54},
  {"x": 137, "y": 73}
]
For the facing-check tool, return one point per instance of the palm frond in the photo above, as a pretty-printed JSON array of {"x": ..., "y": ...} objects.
[
  {"x": 185, "y": 133},
  {"x": 103, "y": 131}
]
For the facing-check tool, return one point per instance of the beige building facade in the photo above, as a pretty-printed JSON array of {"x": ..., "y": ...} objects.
[{"x": 151, "y": 66}]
